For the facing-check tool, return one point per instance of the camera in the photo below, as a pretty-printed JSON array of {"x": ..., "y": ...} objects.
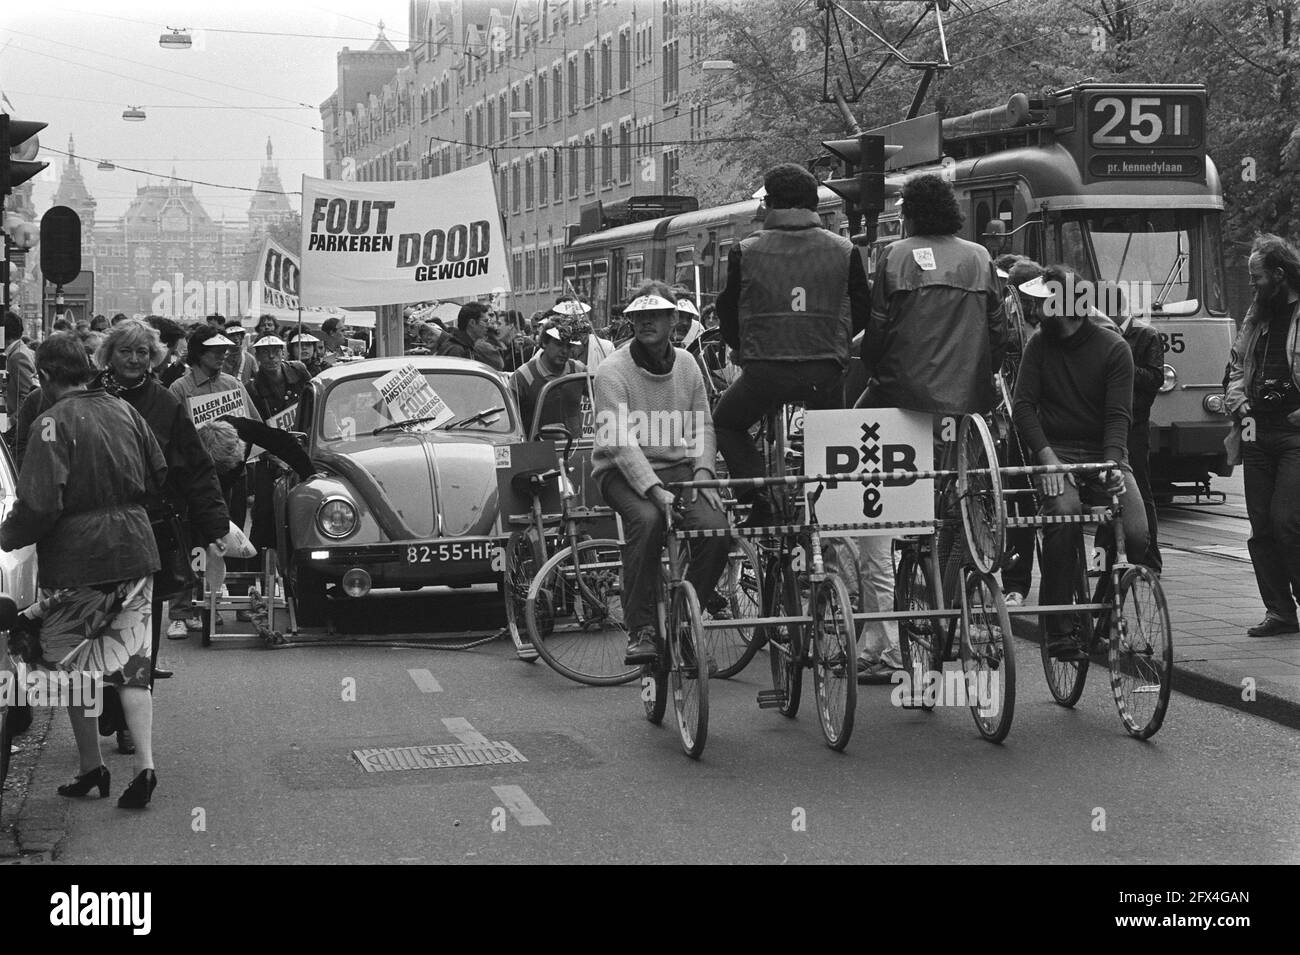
[{"x": 1275, "y": 392}]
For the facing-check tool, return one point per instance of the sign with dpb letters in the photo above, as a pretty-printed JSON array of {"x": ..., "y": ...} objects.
[{"x": 866, "y": 440}]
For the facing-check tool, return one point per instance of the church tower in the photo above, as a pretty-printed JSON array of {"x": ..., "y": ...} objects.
[
  {"x": 72, "y": 192},
  {"x": 270, "y": 205}
]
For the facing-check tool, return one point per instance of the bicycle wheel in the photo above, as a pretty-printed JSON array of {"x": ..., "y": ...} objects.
[
  {"x": 1141, "y": 653},
  {"x": 988, "y": 657},
  {"x": 834, "y": 661},
  {"x": 580, "y": 595},
  {"x": 983, "y": 507},
  {"x": 921, "y": 641},
  {"x": 741, "y": 586},
  {"x": 523, "y": 557},
  {"x": 785, "y": 641},
  {"x": 688, "y": 672},
  {"x": 1065, "y": 678}
]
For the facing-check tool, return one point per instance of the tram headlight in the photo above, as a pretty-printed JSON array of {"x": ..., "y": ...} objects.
[
  {"x": 1214, "y": 404},
  {"x": 1171, "y": 379}
]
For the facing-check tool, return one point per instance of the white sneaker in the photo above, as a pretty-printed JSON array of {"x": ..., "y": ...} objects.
[
  {"x": 176, "y": 630},
  {"x": 1014, "y": 599}
]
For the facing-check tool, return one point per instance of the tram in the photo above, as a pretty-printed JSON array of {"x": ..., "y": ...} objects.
[{"x": 1112, "y": 180}]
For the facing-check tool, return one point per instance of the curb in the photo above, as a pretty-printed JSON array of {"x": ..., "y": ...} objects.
[
  {"x": 40, "y": 820},
  {"x": 1203, "y": 680}
]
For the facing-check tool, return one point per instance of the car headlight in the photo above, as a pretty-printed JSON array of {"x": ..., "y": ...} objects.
[
  {"x": 337, "y": 518},
  {"x": 1171, "y": 379}
]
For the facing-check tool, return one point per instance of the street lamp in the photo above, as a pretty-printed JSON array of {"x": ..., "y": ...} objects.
[
  {"x": 520, "y": 114},
  {"x": 718, "y": 65},
  {"x": 176, "y": 40},
  {"x": 133, "y": 114},
  {"x": 105, "y": 166}
]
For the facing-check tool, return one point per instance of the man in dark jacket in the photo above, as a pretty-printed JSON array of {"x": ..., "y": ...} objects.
[
  {"x": 20, "y": 368},
  {"x": 794, "y": 297},
  {"x": 471, "y": 325},
  {"x": 1072, "y": 406},
  {"x": 936, "y": 335}
]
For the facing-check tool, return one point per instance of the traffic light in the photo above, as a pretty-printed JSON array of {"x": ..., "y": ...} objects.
[
  {"x": 863, "y": 189},
  {"x": 18, "y": 146}
]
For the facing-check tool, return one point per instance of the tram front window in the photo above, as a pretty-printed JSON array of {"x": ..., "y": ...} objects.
[{"x": 1157, "y": 255}]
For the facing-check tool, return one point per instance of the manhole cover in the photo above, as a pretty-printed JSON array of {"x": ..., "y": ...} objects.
[{"x": 440, "y": 756}]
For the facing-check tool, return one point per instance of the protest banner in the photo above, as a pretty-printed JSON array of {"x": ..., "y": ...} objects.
[
  {"x": 408, "y": 395},
  {"x": 284, "y": 420},
  {"x": 279, "y": 273},
  {"x": 204, "y": 408},
  {"x": 385, "y": 243}
]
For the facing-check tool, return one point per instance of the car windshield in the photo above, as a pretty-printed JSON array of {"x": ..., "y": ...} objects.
[
  {"x": 353, "y": 407},
  {"x": 1157, "y": 254}
]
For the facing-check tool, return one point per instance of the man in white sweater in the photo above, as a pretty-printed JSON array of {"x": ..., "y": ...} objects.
[{"x": 653, "y": 427}]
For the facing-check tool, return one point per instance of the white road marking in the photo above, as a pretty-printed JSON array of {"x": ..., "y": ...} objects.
[
  {"x": 459, "y": 727},
  {"x": 425, "y": 681},
  {"x": 521, "y": 807}
]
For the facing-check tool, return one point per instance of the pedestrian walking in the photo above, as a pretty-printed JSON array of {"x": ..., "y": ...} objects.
[
  {"x": 79, "y": 501},
  {"x": 1264, "y": 397}
]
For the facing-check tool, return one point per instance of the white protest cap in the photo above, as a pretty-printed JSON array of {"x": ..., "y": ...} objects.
[
  {"x": 1003, "y": 274},
  {"x": 269, "y": 341},
  {"x": 649, "y": 303},
  {"x": 304, "y": 337},
  {"x": 1036, "y": 288},
  {"x": 571, "y": 307},
  {"x": 686, "y": 305},
  {"x": 554, "y": 331},
  {"x": 217, "y": 341}
]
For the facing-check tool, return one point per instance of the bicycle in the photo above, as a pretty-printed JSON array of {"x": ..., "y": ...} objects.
[
  {"x": 1129, "y": 611},
  {"x": 680, "y": 638},
  {"x": 572, "y": 608}
]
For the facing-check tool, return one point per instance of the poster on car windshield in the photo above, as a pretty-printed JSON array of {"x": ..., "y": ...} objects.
[
  {"x": 386, "y": 243},
  {"x": 205, "y": 408},
  {"x": 409, "y": 397},
  {"x": 863, "y": 441}
]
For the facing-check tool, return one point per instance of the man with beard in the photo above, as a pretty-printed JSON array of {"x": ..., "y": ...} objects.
[
  {"x": 1073, "y": 404},
  {"x": 1264, "y": 396}
]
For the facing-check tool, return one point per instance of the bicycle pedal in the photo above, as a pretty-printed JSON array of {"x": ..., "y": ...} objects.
[
  {"x": 526, "y": 653},
  {"x": 770, "y": 699}
]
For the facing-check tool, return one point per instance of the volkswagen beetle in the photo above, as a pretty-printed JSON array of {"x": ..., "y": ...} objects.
[{"x": 396, "y": 502}]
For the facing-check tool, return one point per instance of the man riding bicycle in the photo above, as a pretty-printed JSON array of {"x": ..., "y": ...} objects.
[
  {"x": 652, "y": 429},
  {"x": 795, "y": 296}
]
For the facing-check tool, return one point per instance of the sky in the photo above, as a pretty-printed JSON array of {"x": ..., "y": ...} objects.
[{"x": 77, "y": 65}]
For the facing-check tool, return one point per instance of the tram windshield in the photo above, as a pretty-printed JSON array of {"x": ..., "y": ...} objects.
[{"x": 1159, "y": 256}]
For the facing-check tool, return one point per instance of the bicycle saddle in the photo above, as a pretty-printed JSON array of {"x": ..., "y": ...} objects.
[{"x": 532, "y": 480}]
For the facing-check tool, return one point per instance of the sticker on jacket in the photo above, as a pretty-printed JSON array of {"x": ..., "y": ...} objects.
[{"x": 925, "y": 259}]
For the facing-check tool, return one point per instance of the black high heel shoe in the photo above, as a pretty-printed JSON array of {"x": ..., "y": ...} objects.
[
  {"x": 86, "y": 782},
  {"x": 137, "y": 794}
]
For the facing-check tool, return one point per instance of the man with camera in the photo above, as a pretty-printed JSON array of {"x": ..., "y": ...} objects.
[{"x": 1263, "y": 395}]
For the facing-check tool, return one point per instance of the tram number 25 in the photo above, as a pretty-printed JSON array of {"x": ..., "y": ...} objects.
[{"x": 1173, "y": 343}]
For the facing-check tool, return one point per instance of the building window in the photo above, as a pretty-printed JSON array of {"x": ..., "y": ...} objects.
[
  {"x": 589, "y": 160},
  {"x": 503, "y": 188},
  {"x": 528, "y": 102},
  {"x": 574, "y": 163},
  {"x": 606, "y": 70},
  {"x": 530, "y": 270},
  {"x": 491, "y": 123},
  {"x": 529, "y": 189},
  {"x": 542, "y": 181},
  {"x": 670, "y": 72},
  {"x": 589, "y": 76},
  {"x": 541, "y": 98},
  {"x": 558, "y": 258},
  {"x": 503, "y": 118},
  {"x": 607, "y": 156},
  {"x": 624, "y": 60},
  {"x": 573, "y": 83},
  {"x": 517, "y": 269},
  {"x": 671, "y": 163},
  {"x": 544, "y": 268},
  {"x": 625, "y": 151},
  {"x": 557, "y": 92},
  {"x": 515, "y": 191},
  {"x": 557, "y": 174}
]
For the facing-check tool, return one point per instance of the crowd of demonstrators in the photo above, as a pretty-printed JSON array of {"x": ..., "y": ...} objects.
[
  {"x": 306, "y": 348},
  {"x": 935, "y": 338},
  {"x": 1263, "y": 395},
  {"x": 335, "y": 339},
  {"x": 238, "y": 363},
  {"x": 795, "y": 294},
  {"x": 1073, "y": 404},
  {"x": 653, "y": 378},
  {"x": 80, "y": 493},
  {"x": 551, "y": 360},
  {"x": 171, "y": 335}
]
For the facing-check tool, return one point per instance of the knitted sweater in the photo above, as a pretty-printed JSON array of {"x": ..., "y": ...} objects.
[{"x": 647, "y": 422}]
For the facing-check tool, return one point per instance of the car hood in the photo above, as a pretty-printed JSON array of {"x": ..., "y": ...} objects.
[{"x": 422, "y": 477}]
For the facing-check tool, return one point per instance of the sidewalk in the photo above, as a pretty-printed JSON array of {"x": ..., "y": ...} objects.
[{"x": 1212, "y": 602}]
